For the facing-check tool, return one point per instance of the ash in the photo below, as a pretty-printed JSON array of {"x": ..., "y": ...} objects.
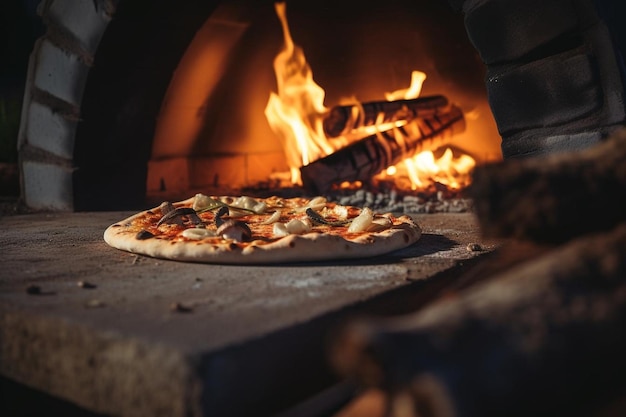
[
  {"x": 405, "y": 202},
  {"x": 382, "y": 197}
]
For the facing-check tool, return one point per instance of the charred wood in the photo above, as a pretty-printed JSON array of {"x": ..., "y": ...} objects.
[
  {"x": 552, "y": 199},
  {"x": 361, "y": 160},
  {"x": 544, "y": 338},
  {"x": 341, "y": 120}
]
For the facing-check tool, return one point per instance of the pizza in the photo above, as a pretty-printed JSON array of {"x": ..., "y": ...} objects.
[{"x": 271, "y": 230}]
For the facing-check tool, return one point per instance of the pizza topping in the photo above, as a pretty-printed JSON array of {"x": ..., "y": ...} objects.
[
  {"x": 235, "y": 230},
  {"x": 175, "y": 216},
  {"x": 143, "y": 234},
  {"x": 316, "y": 203},
  {"x": 339, "y": 211},
  {"x": 293, "y": 227},
  {"x": 203, "y": 202},
  {"x": 280, "y": 230},
  {"x": 317, "y": 218},
  {"x": 166, "y": 208},
  {"x": 275, "y": 216},
  {"x": 241, "y": 206},
  {"x": 362, "y": 221},
  {"x": 218, "y": 216},
  {"x": 380, "y": 224},
  {"x": 298, "y": 227},
  {"x": 196, "y": 233},
  {"x": 250, "y": 204}
]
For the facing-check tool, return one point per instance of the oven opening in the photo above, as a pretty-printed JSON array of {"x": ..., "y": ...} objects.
[
  {"x": 128, "y": 103},
  {"x": 263, "y": 101},
  {"x": 210, "y": 130}
]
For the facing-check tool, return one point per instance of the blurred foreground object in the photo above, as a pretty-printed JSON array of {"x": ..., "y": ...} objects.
[{"x": 543, "y": 334}]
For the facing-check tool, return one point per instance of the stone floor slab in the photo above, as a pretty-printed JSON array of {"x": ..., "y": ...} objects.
[{"x": 127, "y": 335}]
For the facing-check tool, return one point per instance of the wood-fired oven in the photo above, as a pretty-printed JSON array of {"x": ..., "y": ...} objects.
[
  {"x": 132, "y": 101},
  {"x": 126, "y": 100}
]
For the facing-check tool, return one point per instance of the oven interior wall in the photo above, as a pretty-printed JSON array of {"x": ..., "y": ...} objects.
[
  {"x": 135, "y": 118},
  {"x": 132, "y": 68}
]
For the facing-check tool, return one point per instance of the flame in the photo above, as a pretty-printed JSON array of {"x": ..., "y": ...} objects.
[
  {"x": 295, "y": 113},
  {"x": 414, "y": 90},
  {"x": 452, "y": 171},
  {"x": 424, "y": 169}
]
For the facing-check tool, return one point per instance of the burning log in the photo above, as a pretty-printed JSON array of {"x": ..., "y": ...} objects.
[
  {"x": 552, "y": 199},
  {"x": 369, "y": 156},
  {"x": 341, "y": 120},
  {"x": 543, "y": 338}
]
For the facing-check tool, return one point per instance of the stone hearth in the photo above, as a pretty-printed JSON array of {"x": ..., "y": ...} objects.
[{"x": 122, "y": 335}]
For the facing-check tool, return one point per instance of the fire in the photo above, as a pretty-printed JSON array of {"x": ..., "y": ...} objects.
[
  {"x": 414, "y": 90},
  {"x": 296, "y": 113},
  {"x": 425, "y": 169}
]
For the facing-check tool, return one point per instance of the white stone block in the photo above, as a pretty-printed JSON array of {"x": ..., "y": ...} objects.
[
  {"x": 47, "y": 186},
  {"x": 60, "y": 73},
  {"x": 50, "y": 131},
  {"x": 81, "y": 19}
]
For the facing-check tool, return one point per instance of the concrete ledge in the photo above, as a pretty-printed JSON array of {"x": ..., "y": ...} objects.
[
  {"x": 47, "y": 186},
  {"x": 103, "y": 372},
  {"x": 250, "y": 340}
]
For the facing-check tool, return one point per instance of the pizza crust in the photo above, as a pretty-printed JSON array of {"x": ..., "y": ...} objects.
[{"x": 312, "y": 246}]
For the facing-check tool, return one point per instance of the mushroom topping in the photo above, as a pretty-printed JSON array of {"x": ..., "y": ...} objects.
[
  {"x": 176, "y": 216},
  {"x": 235, "y": 230},
  {"x": 317, "y": 218},
  {"x": 166, "y": 207},
  {"x": 143, "y": 234},
  {"x": 223, "y": 211},
  {"x": 167, "y": 210}
]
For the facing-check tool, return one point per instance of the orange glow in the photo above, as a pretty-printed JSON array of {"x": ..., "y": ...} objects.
[
  {"x": 414, "y": 90},
  {"x": 454, "y": 172},
  {"x": 295, "y": 113},
  {"x": 196, "y": 79},
  {"x": 351, "y": 185}
]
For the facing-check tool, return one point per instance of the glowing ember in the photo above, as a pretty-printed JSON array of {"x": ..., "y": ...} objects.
[
  {"x": 425, "y": 169},
  {"x": 295, "y": 113}
]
